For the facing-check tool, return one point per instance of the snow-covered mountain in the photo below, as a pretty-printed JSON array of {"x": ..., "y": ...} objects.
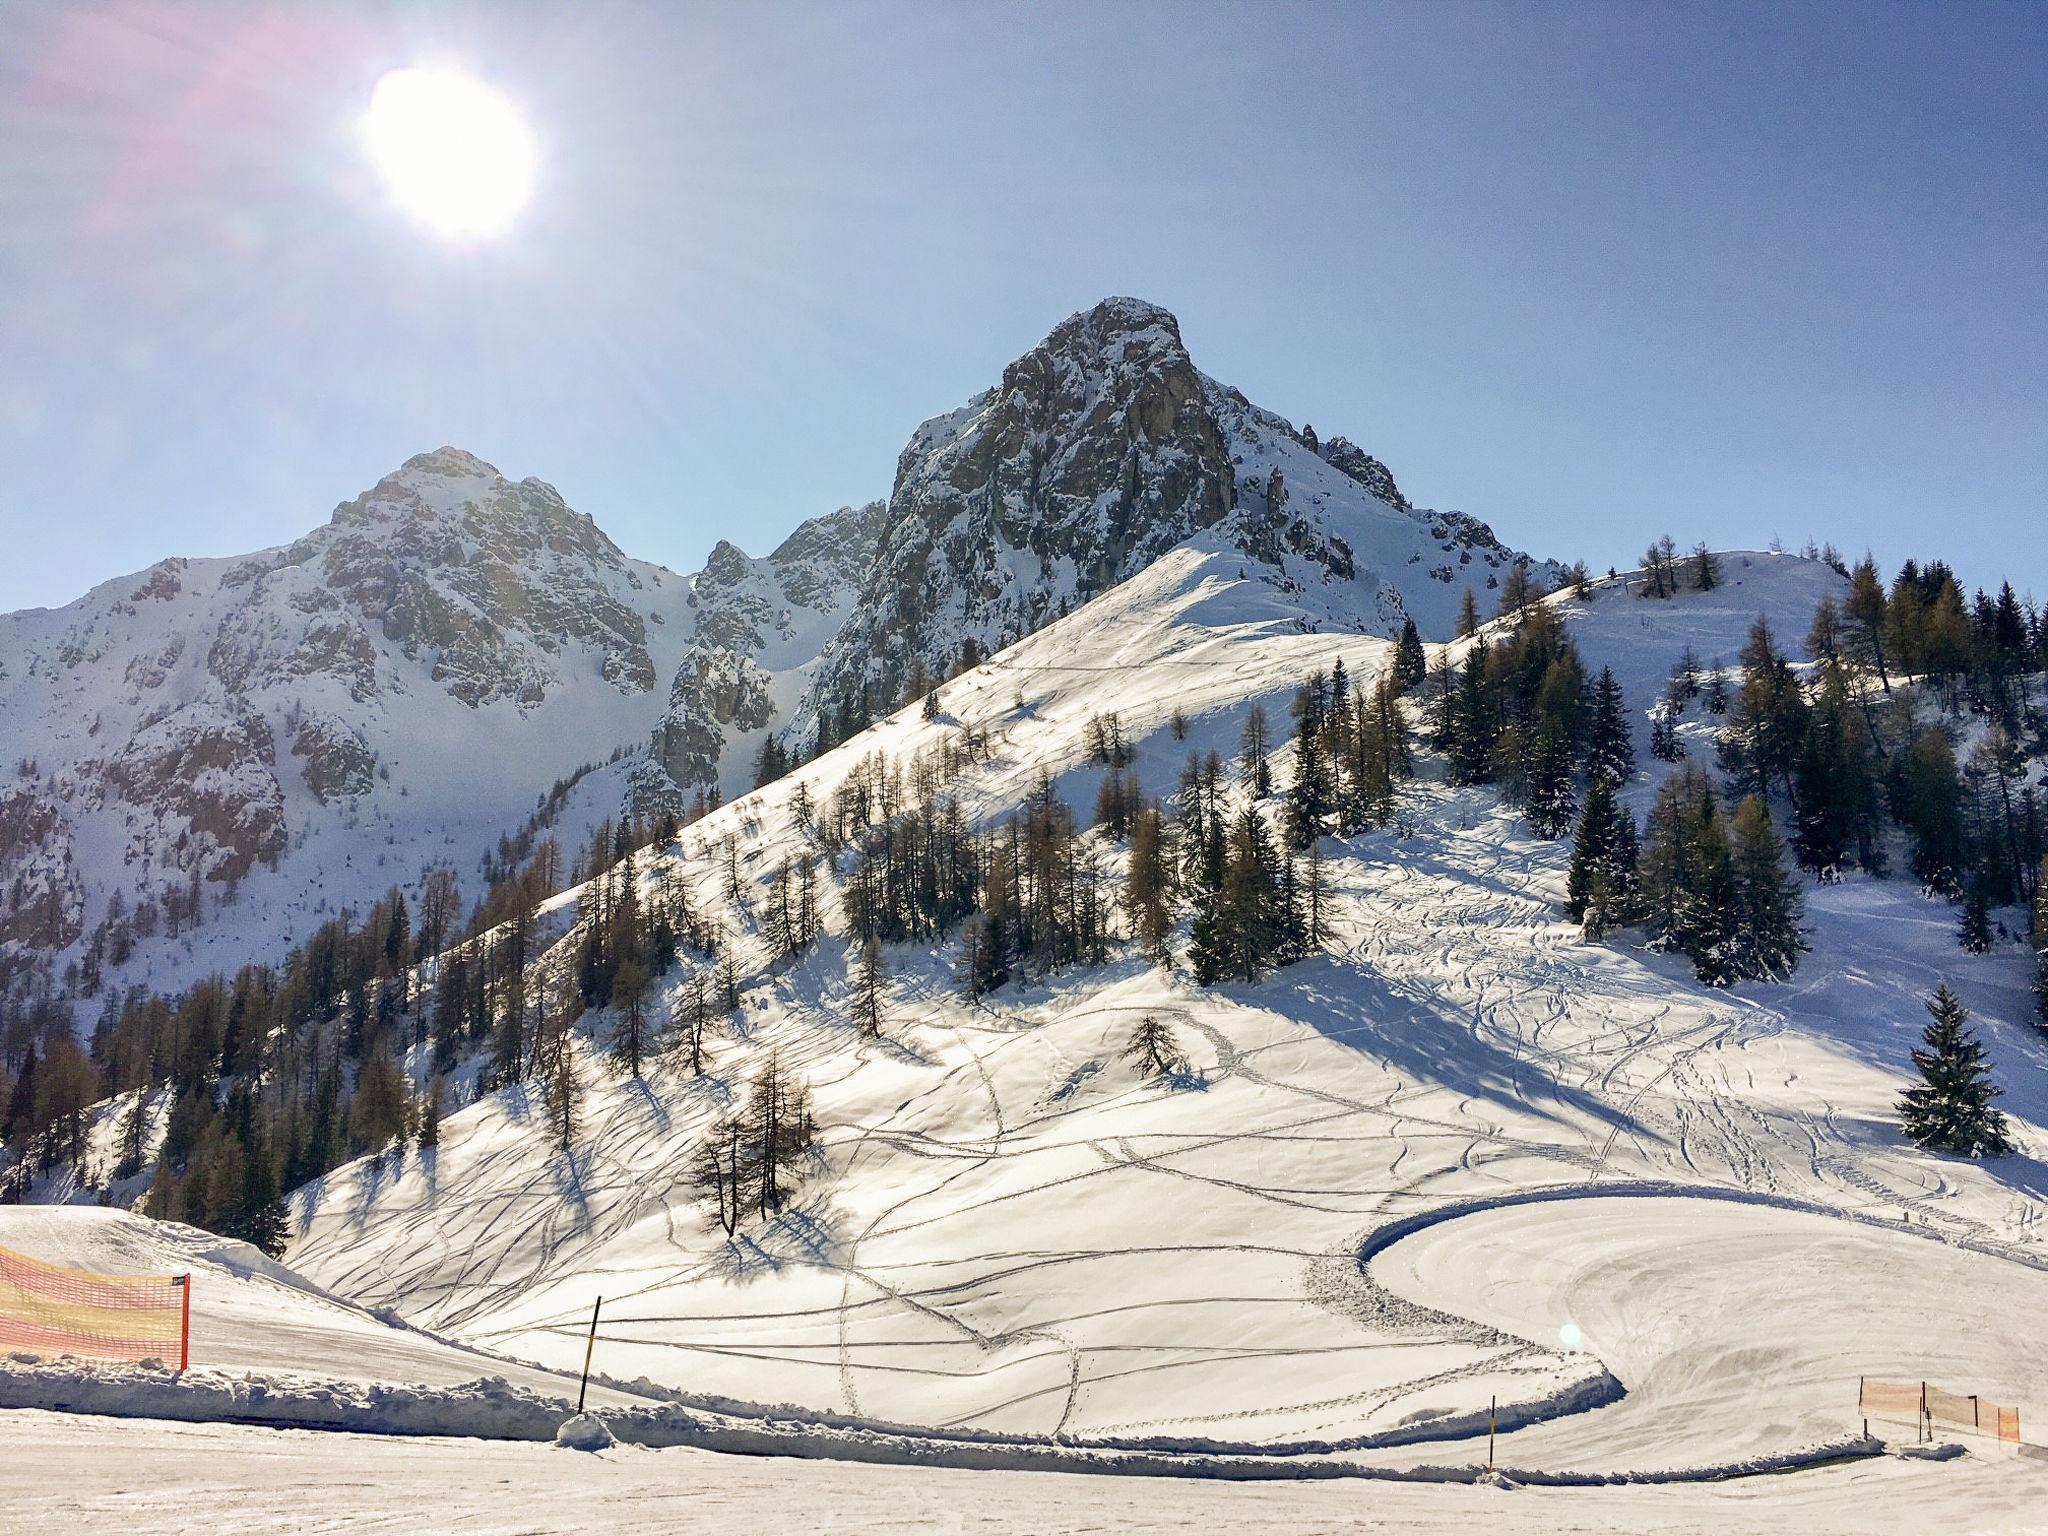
[
  {"x": 207, "y": 758},
  {"x": 210, "y": 757},
  {"x": 1102, "y": 448}
]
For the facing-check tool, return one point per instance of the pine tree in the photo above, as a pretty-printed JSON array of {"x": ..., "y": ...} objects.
[
  {"x": 1610, "y": 754},
  {"x": 564, "y": 1088},
  {"x": 867, "y": 989},
  {"x": 1974, "y": 932},
  {"x": 1468, "y": 614},
  {"x": 1255, "y": 770},
  {"x": 1951, "y": 1111},
  {"x": 1312, "y": 794},
  {"x": 1768, "y": 942},
  {"x": 1550, "y": 799},
  {"x": 1153, "y": 1047},
  {"x": 1600, "y": 883},
  {"x": 696, "y": 1018},
  {"x": 1148, "y": 883},
  {"x": 430, "y": 1114},
  {"x": 1411, "y": 664}
]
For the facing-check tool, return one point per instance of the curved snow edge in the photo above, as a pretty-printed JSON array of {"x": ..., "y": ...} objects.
[{"x": 493, "y": 1409}]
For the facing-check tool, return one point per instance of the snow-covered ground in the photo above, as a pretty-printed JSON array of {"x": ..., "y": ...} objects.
[
  {"x": 250, "y": 1314},
  {"x": 1011, "y": 1233},
  {"x": 61, "y": 1472},
  {"x": 1017, "y": 1232}
]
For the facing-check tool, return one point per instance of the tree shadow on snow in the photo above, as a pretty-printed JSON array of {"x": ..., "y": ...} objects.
[
  {"x": 1426, "y": 1041},
  {"x": 807, "y": 1233}
]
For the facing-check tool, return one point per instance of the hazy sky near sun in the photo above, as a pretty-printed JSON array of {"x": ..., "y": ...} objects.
[{"x": 1589, "y": 272}]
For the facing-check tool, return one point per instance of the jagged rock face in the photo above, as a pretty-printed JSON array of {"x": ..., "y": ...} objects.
[
  {"x": 1095, "y": 455},
  {"x": 760, "y": 624},
  {"x": 1102, "y": 448}
]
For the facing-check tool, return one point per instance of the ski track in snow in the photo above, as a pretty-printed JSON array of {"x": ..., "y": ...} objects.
[{"x": 1017, "y": 1234}]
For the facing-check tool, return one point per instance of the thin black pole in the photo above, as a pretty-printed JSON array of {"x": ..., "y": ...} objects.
[
  {"x": 1492, "y": 1415},
  {"x": 589, "y": 1349}
]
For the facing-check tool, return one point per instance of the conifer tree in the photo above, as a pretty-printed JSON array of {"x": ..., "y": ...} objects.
[
  {"x": 1255, "y": 770},
  {"x": 1600, "y": 882},
  {"x": 1863, "y": 620},
  {"x": 1148, "y": 883},
  {"x": 564, "y": 1088},
  {"x": 1311, "y": 795},
  {"x": 1550, "y": 798},
  {"x": 1610, "y": 754},
  {"x": 1717, "y": 689},
  {"x": 430, "y": 1113},
  {"x": 1468, "y": 614},
  {"x": 867, "y": 989},
  {"x": 632, "y": 1041},
  {"x": 1153, "y": 1047},
  {"x": 1767, "y": 941},
  {"x": 696, "y": 1019},
  {"x": 2041, "y": 947},
  {"x": 1951, "y": 1110},
  {"x": 1411, "y": 663},
  {"x": 1974, "y": 932}
]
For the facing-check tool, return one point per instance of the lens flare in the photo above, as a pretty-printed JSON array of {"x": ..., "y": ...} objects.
[
  {"x": 455, "y": 154},
  {"x": 1569, "y": 1336}
]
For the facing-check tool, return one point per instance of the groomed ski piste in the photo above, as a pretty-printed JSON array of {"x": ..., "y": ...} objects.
[{"x": 1461, "y": 1157}]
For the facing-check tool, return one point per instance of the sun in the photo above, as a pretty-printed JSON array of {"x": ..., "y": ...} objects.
[{"x": 454, "y": 152}]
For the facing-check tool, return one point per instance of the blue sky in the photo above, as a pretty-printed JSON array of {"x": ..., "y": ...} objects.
[{"x": 1590, "y": 272}]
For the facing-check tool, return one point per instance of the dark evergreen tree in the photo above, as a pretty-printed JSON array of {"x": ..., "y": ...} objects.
[
  {"x": 1152, "y": 1046},
  {"x": 1951, "y": 1110},
  {"x": 1601, "y": 880},
  {"x": 868, "y": 977},
  {"x": 1255, "y": 770},
  {"x": 1610, "y": 753},
  {"x": 1974, "y": 932},
  {"x": 1411, "y": 663},
  {"x": 1550, "y": 794},
  {"x": 1768, "y": 905}
]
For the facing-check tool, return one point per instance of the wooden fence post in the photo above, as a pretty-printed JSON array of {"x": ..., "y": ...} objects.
[{"x": 589, "y": 1349}]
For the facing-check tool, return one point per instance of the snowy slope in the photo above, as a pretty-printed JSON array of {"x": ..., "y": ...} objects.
[
  {"x": 1011, "y": 1230},
  {"x": 250, "y": 1314}
]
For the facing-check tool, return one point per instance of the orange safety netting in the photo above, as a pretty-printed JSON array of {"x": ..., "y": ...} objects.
[
  {"x": 1914, "y": 1400},
  {"x": 55, "y": 1311}
]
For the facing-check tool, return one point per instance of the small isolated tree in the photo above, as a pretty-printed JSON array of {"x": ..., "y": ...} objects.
[
  {"x": 1951, "y": 1110},
  {"x": 867, "y": 989},
  {"x": 1153, "y": 1047}
]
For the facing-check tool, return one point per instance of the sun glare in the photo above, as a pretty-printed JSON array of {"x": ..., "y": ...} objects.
[{"x": 455, "y": 154}]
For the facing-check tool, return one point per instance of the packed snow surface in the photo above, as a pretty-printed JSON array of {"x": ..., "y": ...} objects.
[
  {"x": 72, "y": 1473},
  {"x": 1013, "y": 1231}
]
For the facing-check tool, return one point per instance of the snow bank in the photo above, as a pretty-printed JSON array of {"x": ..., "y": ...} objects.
[{"x": 495, "y": 1410}]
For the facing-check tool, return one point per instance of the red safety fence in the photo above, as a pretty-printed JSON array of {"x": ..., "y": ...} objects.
[
  {"x": 1925, "y": 1405},
  {"x": 55, "y": 1311}
]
